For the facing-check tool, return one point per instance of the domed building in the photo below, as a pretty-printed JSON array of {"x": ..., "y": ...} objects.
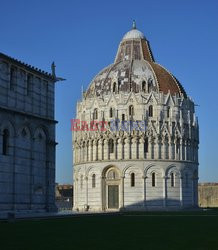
[{"x": 135, "y": 140}]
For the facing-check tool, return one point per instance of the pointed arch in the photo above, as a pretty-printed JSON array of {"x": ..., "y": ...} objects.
[
  {"x": 40, "y": 133},
  {"x": 24, "y": 131},
  {"x": 7, "y": 124}
]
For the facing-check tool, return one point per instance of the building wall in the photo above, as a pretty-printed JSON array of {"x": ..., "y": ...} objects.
[
  {"x": 142, "y": 195},
  {"x": 172, "y": 140},
  {"x": 27, "y": 170},
  {"x": 208, "y": 194}
]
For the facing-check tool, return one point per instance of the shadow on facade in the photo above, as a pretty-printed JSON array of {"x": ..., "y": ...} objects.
[{"x": 158, "y": 204}]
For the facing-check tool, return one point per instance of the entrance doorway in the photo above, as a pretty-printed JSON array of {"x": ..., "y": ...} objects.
[
  {"x": 112, "y": 189},
  {"x": 113, "y": 196}
]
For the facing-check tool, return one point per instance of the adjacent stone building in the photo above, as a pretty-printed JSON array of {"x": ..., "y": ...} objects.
[
  {"x": 27, "y": 137},
  {"x": 208, "y": 194},
  {"x": 122, "y": 167},
  {"x": 64, "y": 197}
]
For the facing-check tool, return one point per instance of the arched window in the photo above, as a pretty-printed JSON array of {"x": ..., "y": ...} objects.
[
  {"x": 123, "y": 117},
  {"x": 146, "y": 146},
  {"x": 177, "y": 146},
  {"x": 95, "y": 114},
  {"x": 5, "y": 144},
  {"x": 150, "y": 111},
  {"x": 111, "y": 146},
  {"x": 93, "y": 181},
  {"x": 150, "y": 82},
  {"x": 131, "y": 110},
  {"x": 168, "y": 112},
  {"x": 153, "y": 181},
  {"x": 114, "y": 87},
  {"x": 111, "y": 112},
  {"x": 119, "y": 85},
  {"x": 172, "y": 178},
  {"x": 132, "y": 180},
  {"x": 143, "y": 86}
]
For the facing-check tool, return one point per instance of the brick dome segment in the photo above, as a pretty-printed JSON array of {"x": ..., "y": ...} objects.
[
  {"x": 166, "y": 81},
  {"x": 133, "y": 64}
]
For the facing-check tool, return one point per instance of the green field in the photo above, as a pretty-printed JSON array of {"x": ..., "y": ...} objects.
[{"x": 166, "y": 230}]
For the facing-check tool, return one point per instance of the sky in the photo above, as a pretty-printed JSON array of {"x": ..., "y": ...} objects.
[{"x": 82, "y": 37}]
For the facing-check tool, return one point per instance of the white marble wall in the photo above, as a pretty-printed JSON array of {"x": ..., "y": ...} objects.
[
  {"x": 143, "y": 195},
  {"x": 172, "y": 149}
]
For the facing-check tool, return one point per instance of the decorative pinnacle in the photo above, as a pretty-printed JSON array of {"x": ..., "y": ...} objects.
[
  {"x": 133, "y": 25},
  {"x": 53, "y": 69}
]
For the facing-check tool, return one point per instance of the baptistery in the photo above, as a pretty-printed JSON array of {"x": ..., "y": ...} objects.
[{"x": 135, "y": 136}]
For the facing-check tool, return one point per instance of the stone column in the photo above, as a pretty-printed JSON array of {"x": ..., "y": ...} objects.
[
  {"x": 165, "y": 191},
  {"x": 173, "y": 150},
  {"x": 134, "y": 148},
  {"x": 163, "y": 151},
  {"x": 87, "y": 189},
  {"x": 127, "y": 149},
  {"x": 185, "y": 150},
  {"x": 103, "y": 193},
  {"x": 156, "y": 149},
  {"x": 84, "y": 152},
  {"x": 79, "y": 153},
  {"x": 122, "y": 201},
  {"x": 141, "y": 148},
  {"x": 144, "y": 193},
  {"x": 119, "y": 149},
  {"x": 181, "y": 191},
  {"x": 106, "y": 151},
  {"x": 150, "y": 150},
  {"x": 170, "y": 149},
  {"x": 94, "y": 150},
  {"x": 90, "y": 151},
  {"x": 100, "y": 153},
  {"x": 181, "y": 150},
  {"x": 116, "y": 149},
  {"x": 87, "y": 151}
]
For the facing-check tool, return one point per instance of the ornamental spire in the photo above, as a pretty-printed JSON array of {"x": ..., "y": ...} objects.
[{"x": 134, "y": 25}]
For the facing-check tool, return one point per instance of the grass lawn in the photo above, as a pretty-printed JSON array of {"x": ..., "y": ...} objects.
[{"x": 166, "y": 230}]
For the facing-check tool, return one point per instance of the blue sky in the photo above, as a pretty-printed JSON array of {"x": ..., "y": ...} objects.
[{"x": 82, "y": 37}]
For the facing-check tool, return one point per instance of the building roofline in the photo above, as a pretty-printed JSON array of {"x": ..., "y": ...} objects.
[{"x": 29, "y": 67}]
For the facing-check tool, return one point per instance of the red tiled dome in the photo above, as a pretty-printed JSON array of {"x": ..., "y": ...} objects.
[{"x": 134, "y": 63}]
